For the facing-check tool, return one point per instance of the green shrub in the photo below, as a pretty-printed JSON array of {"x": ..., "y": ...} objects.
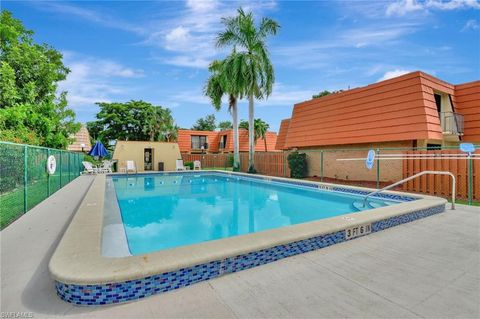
[
  {"x": 189, "y": 164},
  {"x": 297, "y": 162},
  {"x": 230, "y": 160}
]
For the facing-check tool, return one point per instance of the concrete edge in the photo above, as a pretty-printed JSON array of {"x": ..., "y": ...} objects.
[{"x": 78, "y": 259}]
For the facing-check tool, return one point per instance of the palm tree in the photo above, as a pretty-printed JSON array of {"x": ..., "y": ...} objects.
[
  {"x": 223, "y": 81},
  {"x": 260, "y": 129},
  {"x": 241, "y": 32}
]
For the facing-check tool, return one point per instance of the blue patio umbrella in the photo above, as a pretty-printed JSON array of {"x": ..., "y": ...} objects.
[{"x": 98, "y": 150}]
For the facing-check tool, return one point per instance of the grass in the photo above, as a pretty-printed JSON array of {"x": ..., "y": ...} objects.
[
  {"x": 12, "y": 206},
  {"x": 219, "y": 168},
  {"x": 464, "y": 202}
]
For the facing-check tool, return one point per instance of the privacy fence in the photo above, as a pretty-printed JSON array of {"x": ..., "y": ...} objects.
[
  {"x": 24, "y": 181},
  {"x": 347, "y": 166},
  {"x": 267, "y": 163}
]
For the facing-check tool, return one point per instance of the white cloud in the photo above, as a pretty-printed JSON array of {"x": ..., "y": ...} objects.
[
  {"x": 402, "y": 7},
  {"x": 453, "y": 4},
  {"x": 94, "y": 80},
  {"x": 190, "y": 36},
  {"x": 90, "y": 15},
  {"x": 201, "y": 5},
  {"x": 281, "y": 95},
  {"x": 471, "y": 24},
  {"x": 393, "y": 74}
]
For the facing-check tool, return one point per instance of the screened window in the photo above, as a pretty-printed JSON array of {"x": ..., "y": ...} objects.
[
  {"x": 223, "y": 142},
  {"x": 198, "y": 141}
]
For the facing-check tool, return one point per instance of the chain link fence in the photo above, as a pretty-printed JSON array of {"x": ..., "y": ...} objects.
[
  {"x": 24, "y": 181},
  {"x": 347, "y": 167}
]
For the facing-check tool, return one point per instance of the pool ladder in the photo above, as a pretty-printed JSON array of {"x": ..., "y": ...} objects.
[{"x": 413, "y": 177}]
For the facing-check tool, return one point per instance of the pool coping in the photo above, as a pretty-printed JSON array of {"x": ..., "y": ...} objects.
[{"x": 78, "y": 260}]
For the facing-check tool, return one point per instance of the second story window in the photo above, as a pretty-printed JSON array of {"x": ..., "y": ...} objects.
[
  {"x": 223, "y": 142},
  {"x": 198, "y": 141},
  {"x": 438, "y": 102}
]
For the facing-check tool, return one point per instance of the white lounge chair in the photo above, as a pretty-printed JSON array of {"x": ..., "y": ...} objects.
[
  {"x": 179, "y": 166},
  {"x": 89, "y": 168},
  {"x": 131, "y": 166},
  {"x": 106, "y": 167},
  {"x": 197, "y": 165}
]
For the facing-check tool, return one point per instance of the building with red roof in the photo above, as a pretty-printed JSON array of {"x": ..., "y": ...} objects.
[
  {"x": 412, "y": 110},
  {"x": 191, "y": 141}
]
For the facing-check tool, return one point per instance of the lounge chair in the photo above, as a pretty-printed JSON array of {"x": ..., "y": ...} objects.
[
  {"x": 131, "y": 166},
  {"x": 106, "y": 167},
  {"x": 197, "y": 165},
  {"x": 179, "y": 166},
  {"x": 89, "y": 168}
]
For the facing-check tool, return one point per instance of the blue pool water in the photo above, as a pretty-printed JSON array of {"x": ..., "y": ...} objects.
[{"x": 165, "y": 211}]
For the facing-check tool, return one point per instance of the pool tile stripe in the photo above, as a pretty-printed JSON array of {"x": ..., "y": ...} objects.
[
  {"x": 103, "y": 294},
  {"x": 348, "y": 190}
]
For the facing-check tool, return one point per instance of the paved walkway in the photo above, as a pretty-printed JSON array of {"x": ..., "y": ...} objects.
[{"x": 426, "y": 269}]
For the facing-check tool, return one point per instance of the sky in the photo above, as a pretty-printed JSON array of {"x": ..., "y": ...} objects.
[{"x": 158, "y": 51}]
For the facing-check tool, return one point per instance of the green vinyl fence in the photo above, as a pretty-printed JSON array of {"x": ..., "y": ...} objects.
[{"x": 24, "y": 181}]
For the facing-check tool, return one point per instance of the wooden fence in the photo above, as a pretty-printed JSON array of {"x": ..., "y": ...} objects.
[
  {"x": 275, "y": 164},
  {"x": 267, "y": 163},
  {"x": 217, "y": 161},
  {"x": 441, "y": 185}
]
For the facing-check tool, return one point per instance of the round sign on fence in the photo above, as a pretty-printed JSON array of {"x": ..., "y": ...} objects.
[
  {"x": 369, "y": 161},
  {"x": 51, "y": 165}
]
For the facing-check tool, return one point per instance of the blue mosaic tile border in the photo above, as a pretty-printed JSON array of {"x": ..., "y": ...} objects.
[
  {"x": 102, "y": 294},
  {"x": 402, "y": 198}
]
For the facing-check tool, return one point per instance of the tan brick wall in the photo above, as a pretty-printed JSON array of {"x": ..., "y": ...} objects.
[{"x": 390, "y": 170}]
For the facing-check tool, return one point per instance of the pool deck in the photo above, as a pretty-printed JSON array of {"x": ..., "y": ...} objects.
[{"x": 429, "y": 268}]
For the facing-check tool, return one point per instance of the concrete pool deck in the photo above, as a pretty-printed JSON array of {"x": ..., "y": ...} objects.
[{"x": 427, "y": 268}]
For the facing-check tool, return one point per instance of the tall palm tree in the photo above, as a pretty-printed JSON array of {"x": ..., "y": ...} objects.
[
  {"x": 242, "y": 33},
  {"x": 223, "y": 81},
  {"x": 260, "y": 129}
]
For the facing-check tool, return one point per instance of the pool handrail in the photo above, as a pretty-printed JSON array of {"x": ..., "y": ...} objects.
[{"x": 413, "y": 177}]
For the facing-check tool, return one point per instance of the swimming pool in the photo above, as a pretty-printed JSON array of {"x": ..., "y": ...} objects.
[
  {"x": 125, "y": 244},
  {"x": 161, "y": 211}
]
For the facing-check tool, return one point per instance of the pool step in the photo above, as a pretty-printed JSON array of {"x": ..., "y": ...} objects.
[{"x": 358, "y": 205}]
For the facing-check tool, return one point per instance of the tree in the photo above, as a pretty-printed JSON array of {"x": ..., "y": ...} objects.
[
  {"x": 260, "y": 130},
  {"x": 31, "y": 110},
  {"x": 205, "y": 124},
  {"x": 323, "y": 93},
  {"x": 226, "y": 80},
  {"x": 225, "y": 125},
  {"x": 133, "y": 120},
  {"x": 242, "y": 33}
]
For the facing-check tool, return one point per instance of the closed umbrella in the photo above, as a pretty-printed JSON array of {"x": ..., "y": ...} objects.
[{"x": 98, "y": 150}]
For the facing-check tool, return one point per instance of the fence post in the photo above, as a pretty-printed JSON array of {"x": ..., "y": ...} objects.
[
  {"x": 321, "y": 166},
  {"x": 470, "y": 181},
  {"x": 378, "y": 168},
  {"x": 61, "y": 167},
  {"x": 48, "y": 175},
  {"x": 25, "y": 178},
  {"x": 69, "y": 168}
]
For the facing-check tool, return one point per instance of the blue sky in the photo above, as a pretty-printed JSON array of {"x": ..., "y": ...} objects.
[{"x": 158, "y": 51}]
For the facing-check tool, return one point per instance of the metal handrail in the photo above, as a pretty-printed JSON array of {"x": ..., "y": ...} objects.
[{"x": 413, "y": 177}]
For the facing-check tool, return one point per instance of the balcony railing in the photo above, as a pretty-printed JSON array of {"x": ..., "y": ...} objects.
[{"x": 452, "y": 123}]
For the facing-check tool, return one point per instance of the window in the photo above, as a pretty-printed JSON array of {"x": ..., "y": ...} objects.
[
  {"x": 434, "y": 147},
  {"x": 223, "y": 142},
  {"x": 438, "y": 102},
  {"x": 198, "y": 141}
]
